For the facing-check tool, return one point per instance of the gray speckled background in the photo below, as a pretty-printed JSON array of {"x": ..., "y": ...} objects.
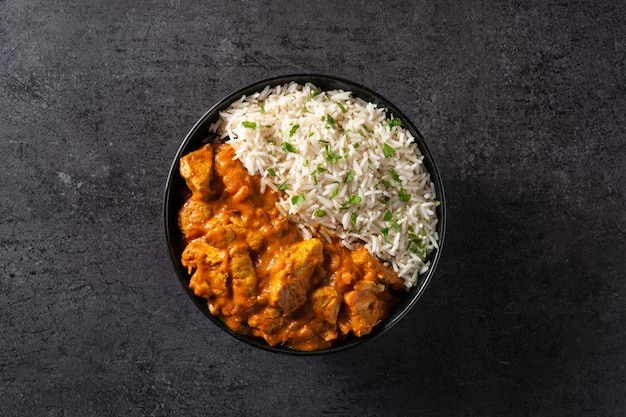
[{"x": 522, "y": 104}]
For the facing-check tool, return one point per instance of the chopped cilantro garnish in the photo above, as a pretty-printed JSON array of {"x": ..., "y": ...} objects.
[
  {"x": 404, "y": 197},
  {"x": 396, "y": 226},
  {"x": 319, "y": 213},
  {"x": 297, "y": 200},
  {"x": 356, "y": 145},
  {"x": 288, "y": 147},
  {"x": 394, "y": 122},
  {"x": 394, "y": 175},
  {"x": 305, "y": 163},
  {"x": 341, "y": 107},
  {"x": 388, "y": 151},
  {"x": 330, "y": 155},
  {"x": 271, "y": 172},
  {"x": 387, "y": 216},
  {"x": 250, "y": 125},
  {"x": 353, "y": 218},
  {"x": 262, "y": 107},
  {"x": 385, "y": 232},
  {"x": 334, "y": 193},
  {"x": 354, "y": 200},
  {"x": 330, "y": 122},
  {"x": 293, "y": 129},
  {"x": 437, "y": 203},
  {"x": 349, "y": 177},
  {"x": 315, "y": 93},
  {"x": 282, "y": 187}
]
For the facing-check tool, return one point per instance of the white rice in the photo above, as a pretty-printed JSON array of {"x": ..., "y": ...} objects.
[{"x": 338, "y": 165}]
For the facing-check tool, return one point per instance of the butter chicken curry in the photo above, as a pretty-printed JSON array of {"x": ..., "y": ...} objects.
[{"x": 259, "y": 275}]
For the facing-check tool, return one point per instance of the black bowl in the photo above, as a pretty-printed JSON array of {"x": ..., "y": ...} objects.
[{"x": 175, "y": 192}]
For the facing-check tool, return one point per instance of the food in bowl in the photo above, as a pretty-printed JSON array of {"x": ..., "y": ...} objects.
[{"x": 308, "y": 218}]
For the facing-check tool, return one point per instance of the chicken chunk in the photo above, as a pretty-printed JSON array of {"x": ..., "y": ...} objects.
[
  {"x": 244, "y": 278},
  {"x": 210, "y": 277},
  {"x": 197, "y": 168},
  {"x": 193, "y": 218},
  {"x": 361, "y": 311},
  {"x": 236, "y": 178},
  {"x": 375, "y": 271},
  {"x": 288, "y": 287},
  {"x": 326, "y": 303},
  {"x": 267, "y": 321},
  {"x": 253, "y": 238},
  {"x": 220, "y": 236}
]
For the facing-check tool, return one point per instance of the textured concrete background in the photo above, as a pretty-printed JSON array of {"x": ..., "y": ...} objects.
[{"x": 522, "y": 104}]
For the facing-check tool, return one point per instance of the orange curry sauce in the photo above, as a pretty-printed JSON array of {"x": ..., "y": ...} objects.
[{"x": 258, "y": 274}]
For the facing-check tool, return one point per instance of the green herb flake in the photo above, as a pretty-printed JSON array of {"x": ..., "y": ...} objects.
[
  {"x": 262, "y": 107},
  {"x": 319, "y": 213},
  {"x": 297, "y": 200},
  {"x": 293, "y": 129},
  {"x": 249, "y": 125},
  {"x": 356, "y": 145},
  {"x": 305, "y": 163},
  {"x": 404, "y": 197},
  {"x": 387, "y": 216},
  {"x": 341, "y": 107},
  {"x": 315, "y": 93},
  {"x": 271, "y": 172},
  {"x": 334, "y": 193},
  {"x": 353, "y": 218},
  {"x": 330, "y": 122},
  {"x": 394, "y": 122},
  {"x": 352, "y": 201},
  {"x": 282, "y": 187},
  {"x": 437, "y": 203},
  {"x": 385, "y": 232},
  {"x": 367, "y": 129},
  {"x": 330, "y": 155},
  {"x": 288, "y": 147},
  {"x": 394, "y": 175},
  {"x": 362, "y": 134},
  {"x": 388, "y": 151},
  {"x": 396, "y": 227},
  {"x": 349, "y": 177}
]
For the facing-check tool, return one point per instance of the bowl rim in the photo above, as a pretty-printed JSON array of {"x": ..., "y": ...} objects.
[{"x": 319, "y": 80}]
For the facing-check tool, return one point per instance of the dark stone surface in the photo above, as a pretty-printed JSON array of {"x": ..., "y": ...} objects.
[{"x": 522, "y": 104}]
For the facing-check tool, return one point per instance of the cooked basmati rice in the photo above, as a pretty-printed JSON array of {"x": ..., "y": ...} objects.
[{"x": 347, "y": 169}]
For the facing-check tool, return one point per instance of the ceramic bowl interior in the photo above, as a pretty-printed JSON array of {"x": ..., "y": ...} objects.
[{"x": 175, "y": 192}]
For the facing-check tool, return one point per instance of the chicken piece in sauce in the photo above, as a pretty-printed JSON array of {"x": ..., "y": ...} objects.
[{"x": 259, "y": 276}]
